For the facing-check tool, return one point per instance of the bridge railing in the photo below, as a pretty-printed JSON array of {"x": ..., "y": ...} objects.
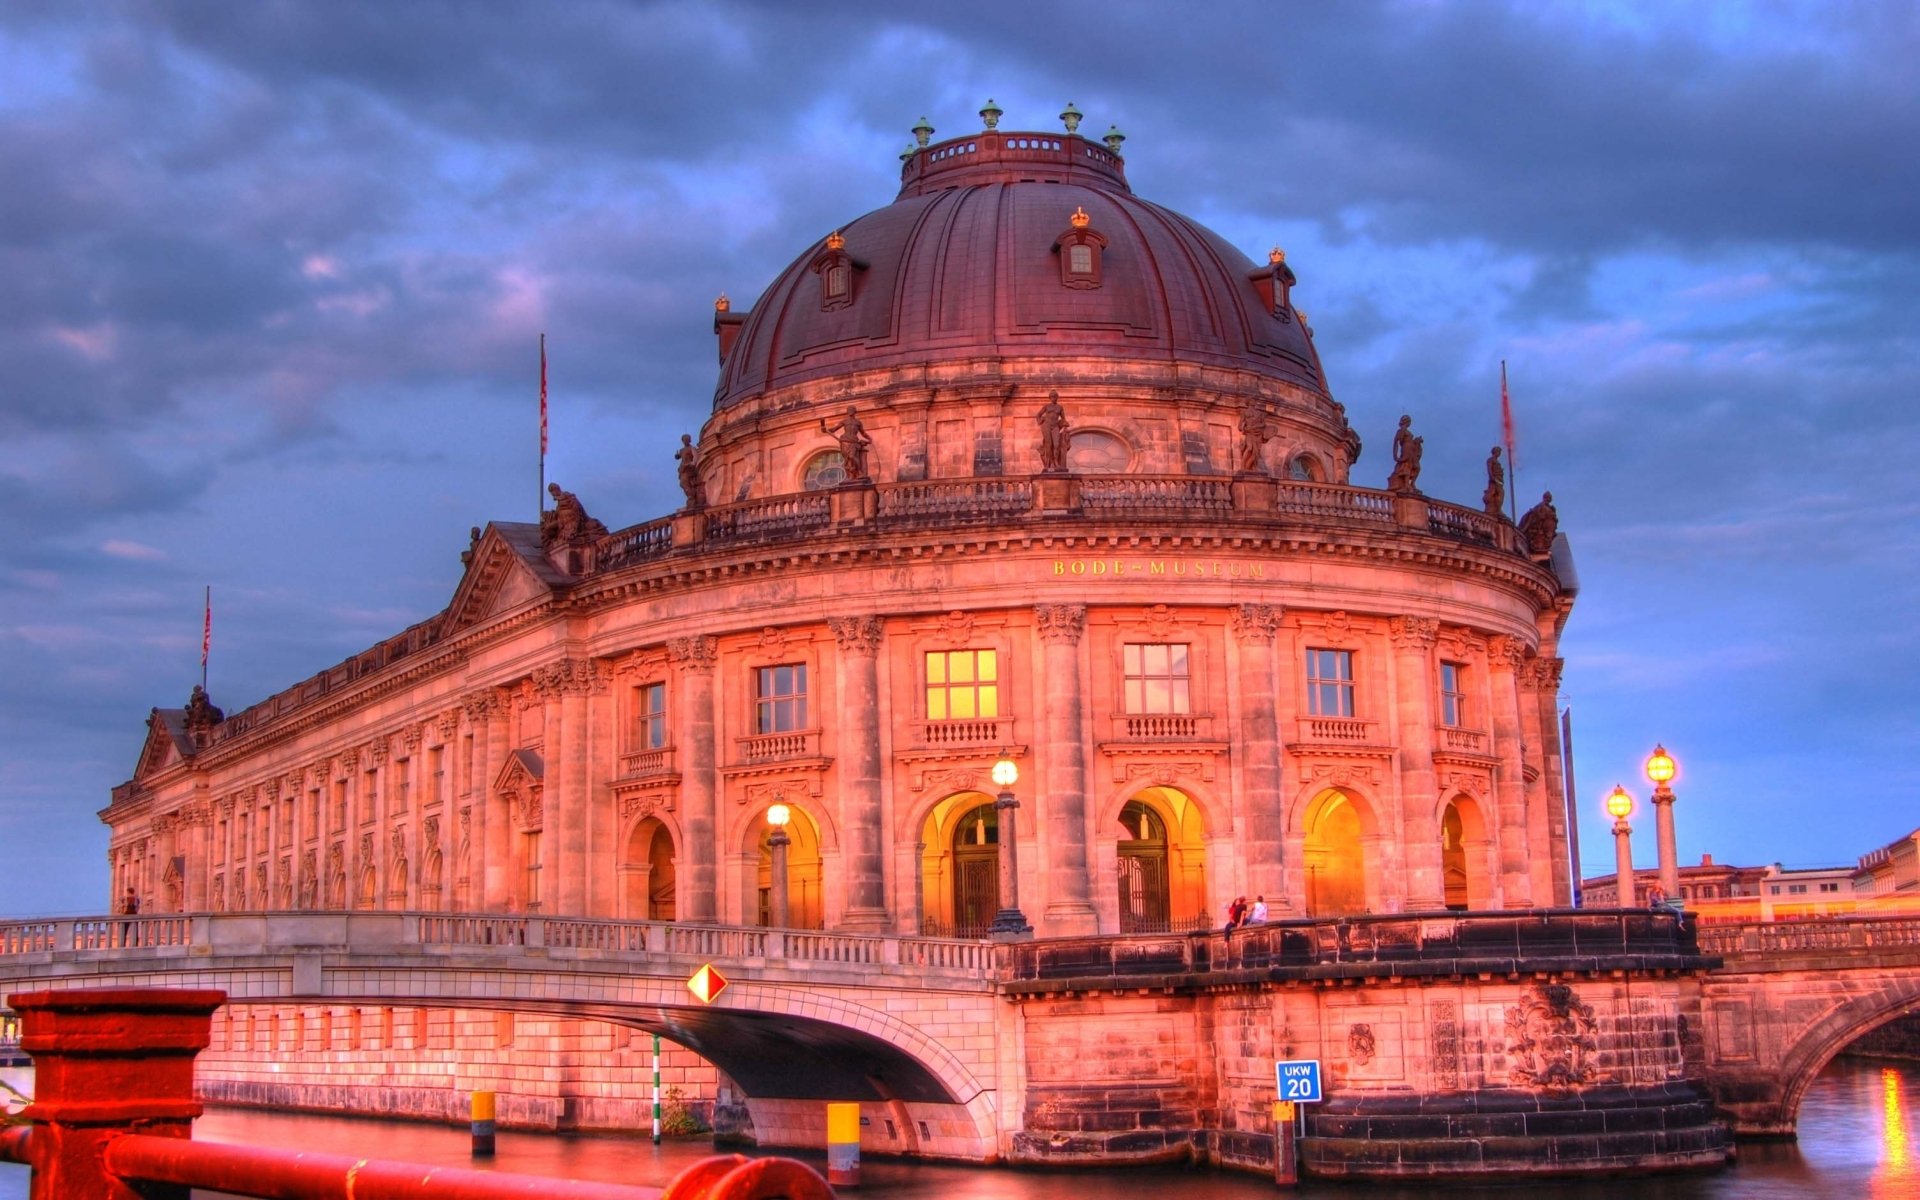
[
  {"x": 372, "y": 932},
  {"x": 1371, "y": 945},
  {"x": 114, "y": 1110},
  {"x": 1759, "y": 939}
]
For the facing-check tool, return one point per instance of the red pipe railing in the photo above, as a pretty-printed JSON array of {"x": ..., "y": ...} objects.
[{"x": 112, "y": 1119}]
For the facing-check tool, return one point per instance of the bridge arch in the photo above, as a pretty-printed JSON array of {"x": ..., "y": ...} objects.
[{"x": 1817, "y": 1046}]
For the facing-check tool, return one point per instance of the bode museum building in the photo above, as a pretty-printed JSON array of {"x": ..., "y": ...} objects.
[{"x": 1019, "y": 466}]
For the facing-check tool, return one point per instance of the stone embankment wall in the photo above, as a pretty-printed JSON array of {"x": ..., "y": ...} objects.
[
  {"x": 1897, "y": 1039},
  {"x": 549, "y": 1073}
]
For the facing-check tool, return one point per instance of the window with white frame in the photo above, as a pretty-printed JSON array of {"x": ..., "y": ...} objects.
[
  {"x": 1453, "y": 694},
  {"x": 962, "y": 685},
  {"x": 1329, "y": 682},
  {"x": 780, "y": 698},
  {"x": 1156, "y": 679},
  {"x": 649, "y": 716}
]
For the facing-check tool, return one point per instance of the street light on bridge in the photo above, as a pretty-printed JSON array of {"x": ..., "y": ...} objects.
[
  {"x": 1620, "y": 805},
  {"x": 777, "y": 816},
  {"x": 1009, "y": 923},
  {"x": 1660, "y": 769}
]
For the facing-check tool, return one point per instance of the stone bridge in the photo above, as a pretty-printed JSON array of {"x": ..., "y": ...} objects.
[
  {"x": 1104, "y": 1048},
  {"x": 1789, "y": 997}
]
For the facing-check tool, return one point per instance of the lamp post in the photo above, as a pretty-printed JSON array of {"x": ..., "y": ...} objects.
[
  {"x": 1009, "y": 923},
  {"x": 1620, "y": 804},
  {"x": 777, "y": 816},
  {"x": 1660, "y": 769}
]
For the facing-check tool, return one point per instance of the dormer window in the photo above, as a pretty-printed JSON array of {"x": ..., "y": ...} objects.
[
  {"x": 835, "y": 267},
  {"x": 1079, "y": 250},
  {"x": 1275, "y": 285}
]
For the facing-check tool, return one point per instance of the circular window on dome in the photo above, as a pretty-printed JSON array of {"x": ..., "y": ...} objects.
[
  {"x": 826, "y": 469},
  {"x": 1096, "y": 452},
  {"x": 1306, "y": 468}
]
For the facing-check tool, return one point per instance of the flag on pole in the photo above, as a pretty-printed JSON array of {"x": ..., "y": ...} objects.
[
  {"x": 1506, "y": 416},
  {"x": 206, "y": 631},
  {"x": 543, "y": 396}
]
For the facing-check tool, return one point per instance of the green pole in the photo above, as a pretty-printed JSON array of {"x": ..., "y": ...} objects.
[{"x": 656, "y": 1089}]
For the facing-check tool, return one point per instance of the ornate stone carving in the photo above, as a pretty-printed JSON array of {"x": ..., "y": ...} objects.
[
  {"x": 1161, "y": 622},
  {"x": 1504, "y": 651},
  {"x": 430, "y": 830},
  {"x": 1360, "y": 1045},
  {"x": 638, "y": 805},
  {"x": 348, "y": 762},
  {"x": 1550, "y": 1038},
  {"x": 366, "y": 846},
  {"x": 1407, "y": 450},
  {"x": 694, "y": 653},
  {"x": 1256, "y": 623},
  {"x": 480, "y": 704},
  {"x": 1413, "y": 633},
  {"x": 1060, "y": 622},
  {"x": 1337, "y": 622},
  {"x": 856, "y": 635},
  {"x": 1541, "y": 674},
  {"x": 529, "y": 809},
  {"x": 1472, "y": 783},
  {"x": 447, "y": 724},
  {"x": 1539, "y": 524},
  {"x": 1055, "y": 437},
  {"x": 374, "y": 753},
  {"x": 1446, "y": 1046},
  {"x": 773, "y": 639},
  {"x": 1342, "y": 774},
  {"x": 165, "y": 823},
  {"x": 956, "y": 628},
  {"x": 1256, "y": 430},
  {"x": 569, "y": 677},
  {"x": 409, "y": 738},
  {"x": 568, "y": 524}
]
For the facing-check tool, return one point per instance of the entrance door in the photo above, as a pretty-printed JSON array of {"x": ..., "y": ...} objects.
[
  {"x": 1143, "y": 870},
  {"x": 976, "y": 872}
]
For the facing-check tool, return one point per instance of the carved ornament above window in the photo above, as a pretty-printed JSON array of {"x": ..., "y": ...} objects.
[{"x": 1080, "y": 251}]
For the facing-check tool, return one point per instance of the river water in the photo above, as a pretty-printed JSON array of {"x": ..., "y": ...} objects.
[{"x": 1859, "y": 1137}]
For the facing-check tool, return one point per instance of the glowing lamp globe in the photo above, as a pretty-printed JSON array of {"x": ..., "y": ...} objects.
[
  {"x": 1619, "y": 803},
  {"x": 1005, "y": 774},
  {"x": 1660, "y": 766},
  {"x": 778, "y": 815}
]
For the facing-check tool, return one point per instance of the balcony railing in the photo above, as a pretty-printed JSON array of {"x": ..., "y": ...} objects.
[
  {"x": 1156, "y": 493},
  {"x": 773, "y": 747},
  {"x": 1339, "y": 731},
  {"x": 1464, "y": 741},
  {"x": 641, "y": 763},
  {"x": 980, "y": 731},
  {"x": 956, "y": 500},
  {"x": 1160, "y": 727}
]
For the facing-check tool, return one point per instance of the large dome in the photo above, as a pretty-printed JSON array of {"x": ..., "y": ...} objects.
[{"x": 971, "y": 261}]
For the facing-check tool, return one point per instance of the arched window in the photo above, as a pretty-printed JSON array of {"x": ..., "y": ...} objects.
[
  {"x": 1142, "y": 852},
  {"x": 827, "y": 469},
  {"x": 1305, "y": 468},
  {"x": 976, "y": 871},
  {"x": 1096, "y": 452}
]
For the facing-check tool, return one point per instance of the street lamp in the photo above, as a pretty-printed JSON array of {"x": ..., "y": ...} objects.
[
  {"x": 1620, "y": 805},
  {"x": 777, "y": 816},
  {"x": 1009, "y": 923},
  {"x": 1660, "y": 769}
]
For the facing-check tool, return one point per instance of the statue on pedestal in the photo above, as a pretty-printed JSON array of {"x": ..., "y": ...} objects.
[
  {"x": 1407, "y": 450},
  {"x": 1495, "y": 497},
  {"x": 688, "y": 456},
  {"x": 1255, "y": 432},
  {"x": 1539, "y": 524},
  {"x": 854, "y": 443},
  {"x": 1054, "y": 435}
]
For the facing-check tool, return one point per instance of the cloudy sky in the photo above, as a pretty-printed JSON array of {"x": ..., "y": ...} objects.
[{"x": 272, "y": 277}]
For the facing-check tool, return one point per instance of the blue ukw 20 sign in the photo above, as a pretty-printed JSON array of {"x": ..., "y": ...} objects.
[{"x": 1299, "y": 1081}]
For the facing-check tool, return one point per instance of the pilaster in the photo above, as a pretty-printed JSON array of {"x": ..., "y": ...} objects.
[
  {"x": 858, "y": 762},
  {"x": 1063, "y": 803}
]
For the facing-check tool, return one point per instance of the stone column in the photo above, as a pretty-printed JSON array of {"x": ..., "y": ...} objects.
[
  {"x": 1064, "y": 801},
  {"x": 484, "y": 708},
  {"x": 1263, "y": 815},
  {"x": 1534, "y": 733},
  {"x": 858, "y": 762},
  {"x": 1668, "y": 846},
  {"x": 699, "y": 778},
  {"x": 568, "y": 797},
  {"x": 1413, "y": 639},
  {"x": 1553, "y": 880},
  {"x": 1504, "y": 658}
]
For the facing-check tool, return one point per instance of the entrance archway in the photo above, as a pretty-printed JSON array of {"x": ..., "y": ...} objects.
[
  {"x": 1160, "y": 862},
  {"x": 1334, "y": 855},
  {"x": 960, "y": 867},
  {"x": 649, "y": 873},
  {"x": 1464, "y": 847}
]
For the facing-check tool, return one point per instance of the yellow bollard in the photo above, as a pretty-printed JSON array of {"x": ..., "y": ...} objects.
[
  {"x": 483, "y": 1124},
  {"x": 1286, "y": 1163},
  {"x": 843, "y": 1144}
]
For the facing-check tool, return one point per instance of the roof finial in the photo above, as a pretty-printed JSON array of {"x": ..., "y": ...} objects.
[
  {"x": 722, "y": 304},
  {"x": 922, "y": 132},
  {"x": 1080, "y": 218},
  {"x": 836, "y": 240},
  {"x": 1276, "y": 256},
  {"x": 911, "y": 150},
  {"x": 1113, "y": 139},
  {"x": 991, "y": 114},
  {"x": 1071, "y": 118}
]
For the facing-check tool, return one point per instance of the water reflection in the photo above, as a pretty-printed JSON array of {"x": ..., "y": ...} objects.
[{"x": 1857, "y": 1138}]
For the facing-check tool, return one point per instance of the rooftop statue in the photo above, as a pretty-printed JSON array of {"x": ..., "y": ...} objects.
[
  {"x": 1407, "y": 450},
  {"x": 1495, "y": 497},
  {"x": 1255, "y": 432},
  {"x": 568, "y": 524},
  {"x": 854, "y": 442},
  {"x": 1539, "y": 524},
  {"x": 688, "y": 456},
  {"x": 1054, "y": 434}
]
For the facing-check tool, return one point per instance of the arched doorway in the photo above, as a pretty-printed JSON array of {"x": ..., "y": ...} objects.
[
  {"x": 960, "y": 867},
  {"x": 1464, "y": 846},
  {"x": 1334, "y": 857},
  {"x": 1160, "y": 862},
  {"x": 805, "y": 909},
  {"x": 649, "y": 873}
]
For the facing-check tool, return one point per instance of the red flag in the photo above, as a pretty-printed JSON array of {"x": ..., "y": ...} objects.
[
  {"x": 543, "y": 395},
  {"x": 206, "y": 631},
  {"x": 1506, "y": 416}
]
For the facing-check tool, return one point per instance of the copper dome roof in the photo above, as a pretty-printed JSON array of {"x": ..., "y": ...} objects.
[{"x": 964, "y": 264}]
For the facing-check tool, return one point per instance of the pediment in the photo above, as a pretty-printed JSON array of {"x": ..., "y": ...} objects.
[
  {"x": 166, "y": 745},
  {"x": 505, "y": 573},
  {"x": 523, "y": 769}
]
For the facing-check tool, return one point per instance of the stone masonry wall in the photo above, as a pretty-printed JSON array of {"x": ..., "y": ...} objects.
[{"x": 548, "y": 1072}]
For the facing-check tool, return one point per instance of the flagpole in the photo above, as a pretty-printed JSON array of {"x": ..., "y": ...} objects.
[
  {"x": 206, "y": 636},
  {"x": 540, "y": 502},
  {"x": 1506, "y": 435}
]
